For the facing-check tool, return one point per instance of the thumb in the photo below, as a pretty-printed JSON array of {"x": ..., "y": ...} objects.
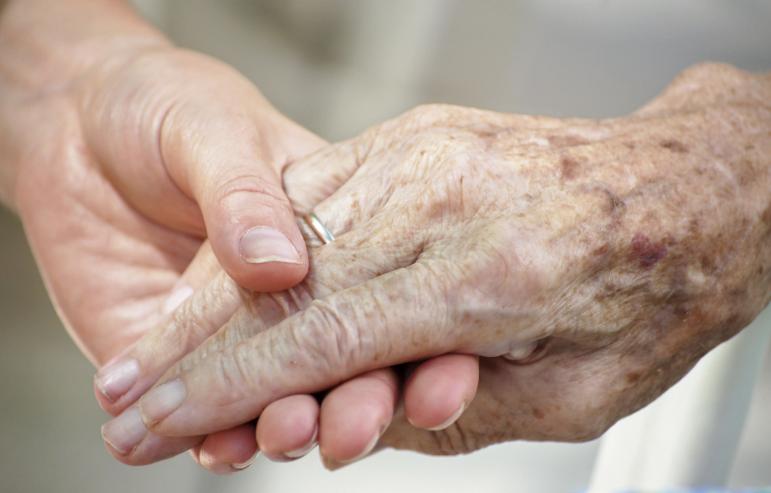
[{"x": 231, "y": 165}]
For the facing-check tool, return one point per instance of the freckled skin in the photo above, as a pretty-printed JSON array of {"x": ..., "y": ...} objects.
[{"x": 632, "y": 264}]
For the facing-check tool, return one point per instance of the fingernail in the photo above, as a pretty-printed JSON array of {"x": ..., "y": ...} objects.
[
  {"x": 117, "y": 378},
  {"x": 367, "y": 449},
  {"x": 178, "y": 295},
  {"x": 260, "y": 245},
  {"x": 162, "y": 401},
  {"x": 243, "y": 465},
  {"x": 451, "y": 419},
  {"x": 124, "y": 432},
  {"x": 303, "y": 451}
]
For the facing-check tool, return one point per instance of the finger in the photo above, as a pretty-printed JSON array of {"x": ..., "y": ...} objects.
[
  {"x": 288, "y": 428},
  {"x": 201, "y": 270},
  {"x": 228, "y": 451},
  {"x": 311, "y": 179},
  {"x": 200, "y": 317},
  {"x": 228, "y": 157},
  {"x": 439, "y": 390},
  {"x": 128, "y": 440},
  {"x": 346, "y": 334},
  {"x": 355, "y": 257},
  {"x": 117, "y": 376},
  {"x": 338, "y": 265},
  {"x": 355, "y": 414},
  {"x": 118, "y": 384}
]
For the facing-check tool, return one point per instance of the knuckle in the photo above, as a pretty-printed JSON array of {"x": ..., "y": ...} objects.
[
  {"x": 185, "y": 330},
  {"x": 283, "y": 304},
  {"x": 711, "y": 70},
  {"x": 247, "y": 191},
  {"x": 327, "y": 337},
  {"x": 235, "y": 374},
  {"x": 195, "y": 320},
  {"x": 426, "y": 116}
]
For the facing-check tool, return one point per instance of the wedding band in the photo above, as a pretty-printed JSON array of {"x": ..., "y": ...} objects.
[{"x": 318, "y": 228}]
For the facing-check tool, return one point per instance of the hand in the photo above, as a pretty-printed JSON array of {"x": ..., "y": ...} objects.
[
  {"x": 289, "y": 428},
  {"x": 125, "y": 151},
  {"x": 472, "y": 232},
  {"x": 120, "y": 152}
]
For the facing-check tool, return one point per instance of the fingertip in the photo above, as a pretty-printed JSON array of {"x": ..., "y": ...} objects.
[
  {"x": 228, "y": 451},
  {"x": 101, "y": 398},
  {"x": 252, "y": 227},
  {"x": 288, "y": 428},
  {"x": 355, "y": 415},
  {"x": 151, "y": 448},
  {"x": 262, "y": 258},
  {"x": 195, "y": 453},
  {"x": 438, "y": 391}
]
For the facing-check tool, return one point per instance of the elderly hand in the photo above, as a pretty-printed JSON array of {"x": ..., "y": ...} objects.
[
  {"x": 354, "y": 412},
  {"x": 624, "y": 249}
]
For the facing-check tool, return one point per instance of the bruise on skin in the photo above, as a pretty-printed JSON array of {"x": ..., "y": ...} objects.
[
  {"x": 568, "y": 168},
  {"x": 647, "y": 252},
  {"x": 537, "y": 413},
  {"x": 674, "y": 146}
]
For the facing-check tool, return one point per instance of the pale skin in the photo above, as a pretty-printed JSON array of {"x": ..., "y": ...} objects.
[
  {"x": 622, "y": 249},
  {"x": 121, "y": 153}
]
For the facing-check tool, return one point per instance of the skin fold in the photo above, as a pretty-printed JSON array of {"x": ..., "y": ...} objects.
[{"x": 624, "y": 248}]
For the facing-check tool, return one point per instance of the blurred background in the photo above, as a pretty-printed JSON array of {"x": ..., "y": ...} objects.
[{"x": 337, "y": 67}]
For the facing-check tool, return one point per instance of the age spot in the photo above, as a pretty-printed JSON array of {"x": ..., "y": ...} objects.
[
  {"x": 633, "y": 377},
  {"x": 674, "y": 146},
  {"x": 568, "y": 168},
  {"x": 646, "y": 252}
]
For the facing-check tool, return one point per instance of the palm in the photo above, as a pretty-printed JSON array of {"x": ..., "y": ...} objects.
[
  {"x": 108, "y": 268},
  {"x": 110, "y": 228}
]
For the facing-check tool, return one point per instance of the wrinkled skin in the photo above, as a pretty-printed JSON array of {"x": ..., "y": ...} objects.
[{"x": 632, "y": 246}]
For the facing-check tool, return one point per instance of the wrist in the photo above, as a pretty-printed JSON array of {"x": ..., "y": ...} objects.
[{"x": 711, "y": 85}]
